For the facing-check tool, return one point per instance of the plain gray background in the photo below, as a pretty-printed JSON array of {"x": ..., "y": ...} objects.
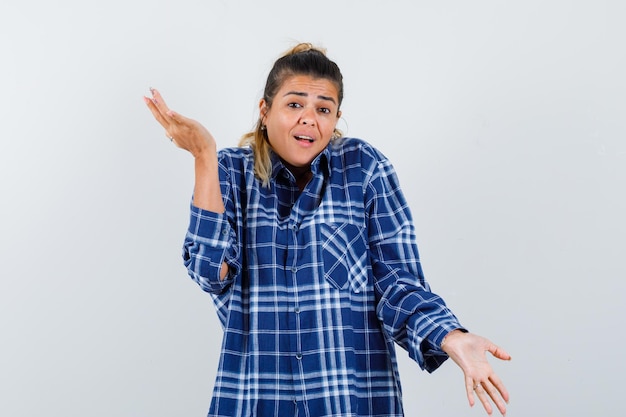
[{"x": 505, "y": 121}]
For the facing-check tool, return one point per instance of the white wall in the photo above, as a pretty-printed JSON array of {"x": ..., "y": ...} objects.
[{"x": 505, "y": 121}]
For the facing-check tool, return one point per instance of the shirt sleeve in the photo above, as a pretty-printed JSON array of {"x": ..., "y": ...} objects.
[
  {"x": 412, "y": 315},
  {"x": 211, "y": 239}
]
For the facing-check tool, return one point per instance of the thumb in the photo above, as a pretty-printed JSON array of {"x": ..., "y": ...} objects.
[
  {"x": 181, "y": 120},
  {"x": 175, "y": 116},
  {"x": 499, "y": 353}
]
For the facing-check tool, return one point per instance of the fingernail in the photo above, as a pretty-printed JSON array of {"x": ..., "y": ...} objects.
[{"x": 152, "y": 90}]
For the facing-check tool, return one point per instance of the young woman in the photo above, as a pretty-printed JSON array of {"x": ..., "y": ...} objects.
[{"x": 306, "y": 244}]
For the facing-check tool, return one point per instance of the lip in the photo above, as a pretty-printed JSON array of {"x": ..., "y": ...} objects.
[{"x": 304, "y": 139}]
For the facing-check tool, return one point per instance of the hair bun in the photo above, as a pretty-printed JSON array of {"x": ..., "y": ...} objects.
[{"x": 304, "y": 47}]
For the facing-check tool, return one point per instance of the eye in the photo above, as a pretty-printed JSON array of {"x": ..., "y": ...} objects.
[
  {"x": 324, "y": 110},
  {"x": 294, "y": 105}
]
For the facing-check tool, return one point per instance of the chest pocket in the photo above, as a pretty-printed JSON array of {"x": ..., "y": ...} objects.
[{"x": 344, "y": 252}]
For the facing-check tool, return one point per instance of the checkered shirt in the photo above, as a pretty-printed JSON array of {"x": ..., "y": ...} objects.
[{"x": 322, "y": 284}]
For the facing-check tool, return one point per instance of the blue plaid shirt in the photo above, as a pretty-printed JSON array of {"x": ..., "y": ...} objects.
[{"x": 322, "y": 282}]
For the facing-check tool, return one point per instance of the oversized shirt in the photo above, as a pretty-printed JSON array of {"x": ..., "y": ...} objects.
[{"x": 322, "y": 282}]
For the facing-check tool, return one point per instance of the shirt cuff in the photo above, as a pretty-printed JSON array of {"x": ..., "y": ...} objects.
[
  {"x": 210, "y": 242},
  {"x": 436, "y": 337},
  {"x": 209, "y": 228},
  {"x": 428, "y": 352}
]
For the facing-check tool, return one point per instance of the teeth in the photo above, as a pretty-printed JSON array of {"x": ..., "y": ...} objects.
[{"x": 310, "y": 139}]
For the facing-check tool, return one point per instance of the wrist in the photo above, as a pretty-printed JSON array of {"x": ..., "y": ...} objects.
[
  {"x": 205, "y": 155},
  {"x": 451, "y": 335}
]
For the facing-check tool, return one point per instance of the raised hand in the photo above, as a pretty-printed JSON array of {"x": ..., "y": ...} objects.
[
  {"x": 185, "y": 133},
  {"x": 190, "y": 135}
]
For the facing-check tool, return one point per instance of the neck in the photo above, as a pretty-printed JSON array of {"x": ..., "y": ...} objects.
[{"x": 302, "y": 178}]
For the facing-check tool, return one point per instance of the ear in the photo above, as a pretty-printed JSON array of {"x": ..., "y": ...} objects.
[
  {"x": 338, "y": 114},
  {"x": 263, "y": 108}
]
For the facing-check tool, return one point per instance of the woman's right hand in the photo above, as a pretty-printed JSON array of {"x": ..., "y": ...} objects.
[
  {"x": 185, "y": 133},
  {"x": 190, "y": 135}
]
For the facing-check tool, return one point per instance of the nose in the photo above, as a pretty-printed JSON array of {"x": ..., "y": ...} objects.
[{"x": 307, "y": 118}]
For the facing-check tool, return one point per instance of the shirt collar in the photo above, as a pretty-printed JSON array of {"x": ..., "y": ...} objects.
[{"x": 319, "y": 165}]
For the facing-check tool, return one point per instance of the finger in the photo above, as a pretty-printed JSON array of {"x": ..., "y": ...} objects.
[
  {"x": 496, "y": 397},
  {"x": 469, "y": 389},
  {"x": 499, "y": 353},
  {"x": 484, "y": 398},
  {"x": 160, "y": 105},
  {"x": 156, "y": 113},
  {"x": 179, "y": 118},
  {"x": 498, "y": 385}
]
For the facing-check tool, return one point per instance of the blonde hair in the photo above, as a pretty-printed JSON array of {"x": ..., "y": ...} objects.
[{"x": 303, "y": 59}]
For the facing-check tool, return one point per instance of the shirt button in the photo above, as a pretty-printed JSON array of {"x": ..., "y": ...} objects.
[
  {"x": 297, "y": 309},
  {"x": 294, "y": 269},
  {"x": 298, "y": 356},
  {"x": 224, "y": 232}
]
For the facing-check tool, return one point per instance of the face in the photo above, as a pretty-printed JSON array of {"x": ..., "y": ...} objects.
[{"x": 302, "y": 120}]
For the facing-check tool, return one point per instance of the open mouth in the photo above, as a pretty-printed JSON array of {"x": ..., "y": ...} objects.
[{"x": 305, "y": 139}]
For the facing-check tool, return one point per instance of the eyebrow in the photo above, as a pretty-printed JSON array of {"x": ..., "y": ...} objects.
[{"x": 303, "y": 94}]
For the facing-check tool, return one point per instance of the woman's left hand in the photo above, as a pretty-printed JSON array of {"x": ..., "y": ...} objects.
[{"x": 469, "y": 352}]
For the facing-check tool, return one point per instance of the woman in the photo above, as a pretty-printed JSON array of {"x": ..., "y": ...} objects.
[{"x": 306, "y": 244}]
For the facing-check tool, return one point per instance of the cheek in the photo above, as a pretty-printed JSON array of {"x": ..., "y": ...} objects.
[
  {"x": 329, "y": 128},
  {"x": 278, "y": 125},
  {"x": 275, "y": 133}
]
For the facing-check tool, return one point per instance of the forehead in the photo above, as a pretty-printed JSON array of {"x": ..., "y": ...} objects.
[{"x": 312, "y": 87}]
